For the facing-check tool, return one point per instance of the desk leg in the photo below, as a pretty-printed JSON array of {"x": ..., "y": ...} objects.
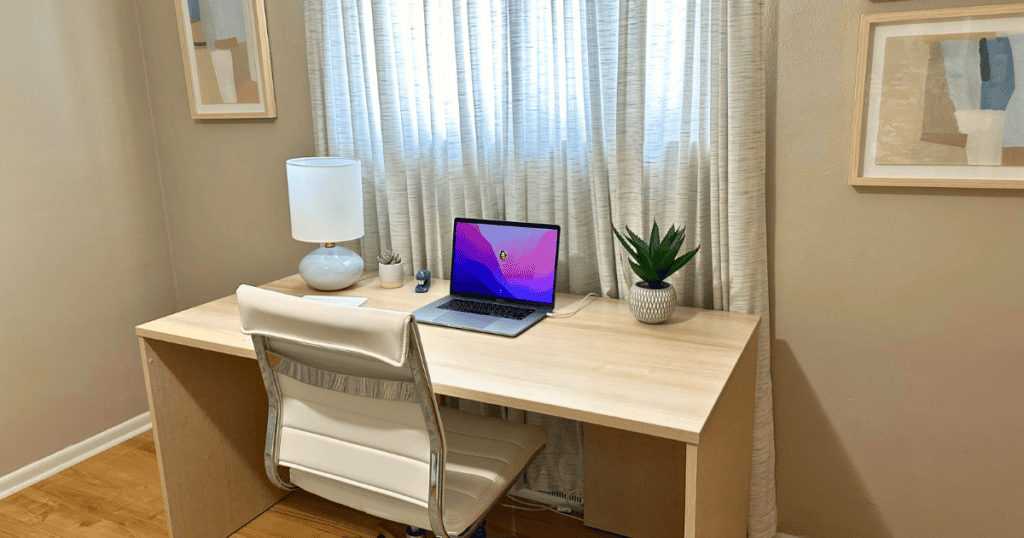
[
  {"x": 717, "y": 498},
  {"x": 209, "y": 413}
]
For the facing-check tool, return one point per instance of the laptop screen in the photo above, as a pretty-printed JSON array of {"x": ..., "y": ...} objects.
[{"x": 509, "y": 260}]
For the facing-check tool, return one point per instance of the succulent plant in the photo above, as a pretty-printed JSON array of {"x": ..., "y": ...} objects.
[
  {"x": 653, "y": 262},
  {"x": 389, "y": 257}
]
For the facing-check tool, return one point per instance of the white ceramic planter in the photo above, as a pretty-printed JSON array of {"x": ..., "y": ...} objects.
[
  {"x": 652, "y": 305},
  {"x": 391, "y": 276}
]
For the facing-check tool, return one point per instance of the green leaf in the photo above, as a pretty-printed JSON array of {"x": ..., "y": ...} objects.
[
  {"x": 678, "y": 263},
  {"x": 630, "y": 250},
  {"x": 635, "y": 246},
  {"x": 673, "y": 251},
  {"x": 666, "y": 240},
  {"x": 638, "y": 253},
  {"x": 666, "y": 251},
  {"x": 636, "y": 239},
  {"x": 655, "y": 238},
  {"x": 669, "y": 253},
  {"x": 643, "y": 251},
  {"x": 644, "y": 274},
  {"x": 680, "y": 238}
]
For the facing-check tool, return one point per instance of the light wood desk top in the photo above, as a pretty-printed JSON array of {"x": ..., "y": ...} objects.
[{"x": 600, "y": 366}]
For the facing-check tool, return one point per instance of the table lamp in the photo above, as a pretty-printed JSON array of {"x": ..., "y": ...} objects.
[{"x": 325, "y": 197}]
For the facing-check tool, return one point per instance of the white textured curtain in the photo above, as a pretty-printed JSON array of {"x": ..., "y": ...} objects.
[{"x": 585, "y": 113}]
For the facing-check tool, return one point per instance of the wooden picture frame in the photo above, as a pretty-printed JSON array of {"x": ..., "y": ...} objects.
[
  {"x": 938, "y": 101},
  {"x": 226, "y": 52}
]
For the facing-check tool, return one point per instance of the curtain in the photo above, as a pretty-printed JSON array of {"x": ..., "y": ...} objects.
[{"x": 584, "y": 113}]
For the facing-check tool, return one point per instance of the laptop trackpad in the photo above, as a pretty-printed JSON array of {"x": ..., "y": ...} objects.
[{"x": 472, "y": 321}]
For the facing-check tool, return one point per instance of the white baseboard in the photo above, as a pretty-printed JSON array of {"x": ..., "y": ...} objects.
[{"x": 57, "y": 462}]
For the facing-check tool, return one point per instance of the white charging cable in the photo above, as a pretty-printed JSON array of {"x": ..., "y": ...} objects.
[{"x": 579, "y": 306}]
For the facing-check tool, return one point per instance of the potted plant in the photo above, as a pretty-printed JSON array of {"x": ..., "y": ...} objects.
[
  {"x": 653, "y": 300},
  {"x": 390, "y": 271}
]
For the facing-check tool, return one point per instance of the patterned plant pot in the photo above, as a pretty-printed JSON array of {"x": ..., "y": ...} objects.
[{"x": 652, "y": 305}]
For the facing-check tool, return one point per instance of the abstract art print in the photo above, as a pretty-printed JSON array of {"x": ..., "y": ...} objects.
[
  {"x": 940, "y": 99},
  {"x": 227, "y": 58}
]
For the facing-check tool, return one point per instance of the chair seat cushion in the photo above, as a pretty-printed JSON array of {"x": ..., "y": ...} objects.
[{"x": 484, "y": 456}]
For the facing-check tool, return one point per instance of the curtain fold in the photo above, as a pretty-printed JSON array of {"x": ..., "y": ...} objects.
[{"x": 585, "y": 113}]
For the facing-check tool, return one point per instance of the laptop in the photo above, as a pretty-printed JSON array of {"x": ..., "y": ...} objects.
[{"x": 503, "y": 277}]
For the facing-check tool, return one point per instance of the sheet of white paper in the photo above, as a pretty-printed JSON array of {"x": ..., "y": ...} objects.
[{"x": 343, "y": 301}]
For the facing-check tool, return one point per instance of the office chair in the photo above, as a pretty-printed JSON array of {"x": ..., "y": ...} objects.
[{"x": 354, "y": 417}]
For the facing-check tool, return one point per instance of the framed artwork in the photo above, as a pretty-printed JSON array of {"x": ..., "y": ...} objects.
[
  {"x": 937, "y": 99},
  {"x": 227, "y": 58}
]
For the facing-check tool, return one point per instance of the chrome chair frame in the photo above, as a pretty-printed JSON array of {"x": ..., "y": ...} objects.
[{"x": 420, "y": 391}]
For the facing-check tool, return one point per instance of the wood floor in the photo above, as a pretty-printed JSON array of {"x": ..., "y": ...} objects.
[{"x": 117, "y": 494}]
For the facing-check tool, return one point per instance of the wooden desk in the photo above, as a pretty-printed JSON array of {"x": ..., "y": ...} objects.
[{"x": 668, "y": 409}]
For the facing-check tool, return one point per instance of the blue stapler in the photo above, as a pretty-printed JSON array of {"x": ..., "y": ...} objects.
[{"x": 422, "y": 281}]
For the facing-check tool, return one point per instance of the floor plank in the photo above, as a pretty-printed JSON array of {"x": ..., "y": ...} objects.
[{"x": 117, "y": 494}]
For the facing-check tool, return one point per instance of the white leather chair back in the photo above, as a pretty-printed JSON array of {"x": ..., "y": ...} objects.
[{"x": 354, "y": 401}]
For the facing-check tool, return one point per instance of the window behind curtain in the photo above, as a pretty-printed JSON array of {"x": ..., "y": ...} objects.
[{"x": 548, "y": 64}]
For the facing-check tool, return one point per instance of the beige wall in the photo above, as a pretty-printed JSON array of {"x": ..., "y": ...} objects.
[
  {"x": 224, "y": 181},
  {"x": 898, "y": 317},
  {"x": 84, "y": 254}
]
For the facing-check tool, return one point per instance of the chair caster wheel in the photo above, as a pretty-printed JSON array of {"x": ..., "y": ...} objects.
[{"x": 414, "y": 532}]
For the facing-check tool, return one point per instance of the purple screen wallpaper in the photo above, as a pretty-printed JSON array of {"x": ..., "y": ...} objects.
[{"x": 505, "y": 261}]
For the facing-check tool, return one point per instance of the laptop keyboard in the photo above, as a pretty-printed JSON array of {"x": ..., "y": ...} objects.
[{"x": 487, "y": 309}]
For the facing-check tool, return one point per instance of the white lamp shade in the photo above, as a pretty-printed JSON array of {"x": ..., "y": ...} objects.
[{"x": 325, "y": 197}]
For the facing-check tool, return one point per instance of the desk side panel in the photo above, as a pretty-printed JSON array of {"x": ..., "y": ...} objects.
[
  {"x": 720, "y": 504},
  {"x": 209, "y": 413}
]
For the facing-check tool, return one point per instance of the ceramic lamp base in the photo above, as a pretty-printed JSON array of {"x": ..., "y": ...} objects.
[{"x": 331, "y": 268}]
